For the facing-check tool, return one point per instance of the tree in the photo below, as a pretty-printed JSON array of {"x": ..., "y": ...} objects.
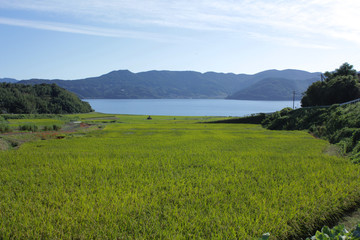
[
  {"x": 344, "y": 70},
  {"x": 341, "y": 85},
  {"x": 42, "y": 98}
]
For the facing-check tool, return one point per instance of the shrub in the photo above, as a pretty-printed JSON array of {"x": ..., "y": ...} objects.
[
  {"x": 346, "y": 145},
  {"x": 52, "y": 128},
  {"x": 56, "y": 127},
  {"x": 285, "y": 111},
  {"x": 343, "y": 133},
  {"x": 28, "y": 127},
  {"x": 336, "y": 233},
  {"x": 355, "y": 137},
  {"x": 4, "y": 127},
  {"x": 47, "y": 128}
]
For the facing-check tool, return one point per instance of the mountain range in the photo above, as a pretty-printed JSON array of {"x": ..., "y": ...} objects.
[
  {"x": 8, "y": 80},
  {"x": 123, "y": 84}
]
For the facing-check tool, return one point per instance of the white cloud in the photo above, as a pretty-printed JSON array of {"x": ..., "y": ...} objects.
[
  {"x": 328, "y": 20},
  {"x": 294, "y": 42},
  {"x": 81, "y": 29}
]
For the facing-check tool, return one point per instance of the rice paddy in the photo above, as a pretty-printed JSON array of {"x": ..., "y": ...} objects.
[{"x": 173, "y": 178}]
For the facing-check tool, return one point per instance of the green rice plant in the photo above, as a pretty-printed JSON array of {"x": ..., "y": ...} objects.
[
  {"x": 67, "y": 118},
  {"x": 174, "y": 179},
  {"x": 39, "y": 122},
  {"x": 4, "y": 126},
  {"x": 36, "y": 124},
  {"x": 124, "y": 118}
]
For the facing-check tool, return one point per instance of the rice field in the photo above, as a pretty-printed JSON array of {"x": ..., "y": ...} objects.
[
  {"x": 42, "y": 122},
  {"x": 173, "y": 178}
]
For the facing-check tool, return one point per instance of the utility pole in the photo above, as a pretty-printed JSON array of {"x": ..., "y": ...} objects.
[
  {"x": 322, "y": 77},
  {"x": 293, "y": 99}
]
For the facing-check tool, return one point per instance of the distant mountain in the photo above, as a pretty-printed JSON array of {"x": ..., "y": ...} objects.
[
  {"x": 8, "y": 80},
  {"x": 173, "y": 84},
  {"x": 287, "y": 74},
  {"x": 274, "y": 89}
]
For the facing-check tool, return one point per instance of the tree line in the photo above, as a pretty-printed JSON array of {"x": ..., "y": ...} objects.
[
  {"x": 341, "y": 85},
  {"x": 39, "y": 99}
]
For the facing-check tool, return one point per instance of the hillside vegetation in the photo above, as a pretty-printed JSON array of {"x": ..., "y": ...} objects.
[
  {"x": 338, "y": 124},
  {"x": 274, "y": 89},
  {"x": 339, "y": 86},
  {"x": 183, "y": 84},
  {"x": 42, "y": 98},
  {"x": 173, "y": 179}
]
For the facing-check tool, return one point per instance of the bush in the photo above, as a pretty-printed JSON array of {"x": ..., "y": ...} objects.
[
  {"x": 4, "y": 127},
  {"x": 285, "y": 111},
  {"x": 336, "y": 233},
  {"x": 52, "y": 128},
  {"x": 318, "y": 130},
  {"x": 47, "y": 128},
  {"x": 28, "y": 127},
  {"x": 346, "y": 145},
  {"x": 252, "y": 119},
  {"x": 355, "y": 137},
  {"x": 343, "y": 133},
  {"x": 56, "y": 127},
  {"x": 356, "y": 158}
]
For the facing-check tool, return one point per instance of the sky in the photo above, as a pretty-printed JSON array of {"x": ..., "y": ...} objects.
[{"x": 57, "y": 39}]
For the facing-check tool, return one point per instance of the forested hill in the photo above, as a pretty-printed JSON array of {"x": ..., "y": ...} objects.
[
  {"x": 43, "y": 98},
  {"x": 178, "y": 84},
  {"x": 8, "y": 80},
  {"x": 276, "y": 89}
]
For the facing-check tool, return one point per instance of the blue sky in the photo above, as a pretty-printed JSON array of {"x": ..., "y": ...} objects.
[{"x": 83, "y": 38}]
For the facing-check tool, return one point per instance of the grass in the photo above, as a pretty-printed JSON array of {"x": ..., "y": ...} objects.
[
  {"x": 99, "y": 117},
  {"x": 4, "y": 145},
  {"x": 169, "y": 178},
  {"x": 38, "y": 122}
]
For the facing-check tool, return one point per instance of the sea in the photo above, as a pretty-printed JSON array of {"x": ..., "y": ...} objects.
[{"x": 188, "y": 107}]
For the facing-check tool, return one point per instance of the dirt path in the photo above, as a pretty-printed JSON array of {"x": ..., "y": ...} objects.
[
  {"x": 351, "y": 220},
  {"x": 11, "y": 140}
]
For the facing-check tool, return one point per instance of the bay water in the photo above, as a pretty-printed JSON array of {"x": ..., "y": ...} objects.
[{"x": 188, "y": 107}]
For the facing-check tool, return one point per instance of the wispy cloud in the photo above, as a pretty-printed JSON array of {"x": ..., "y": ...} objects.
[
  {"x": 87, "y": 30},
  {"x": 294, "y": 42},
  {"x": 304, "y": 19}
]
